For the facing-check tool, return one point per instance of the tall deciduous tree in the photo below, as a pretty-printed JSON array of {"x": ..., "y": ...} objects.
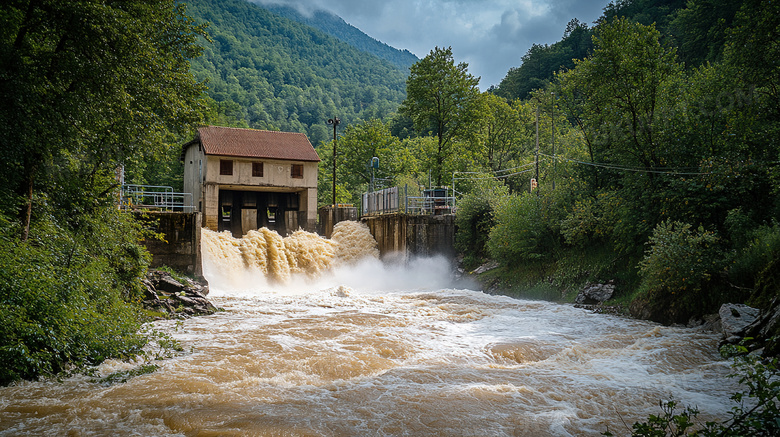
[
  {"x": 440, "y": 98},
  {"x": 503, "y": 132},
  {"x": 622, "y": 89},
  {"x": 88, "y": 85}
]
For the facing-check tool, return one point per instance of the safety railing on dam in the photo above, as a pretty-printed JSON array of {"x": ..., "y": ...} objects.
[
  {"x": 154, "y": 197},
  {"x": 432, "y": 201}
]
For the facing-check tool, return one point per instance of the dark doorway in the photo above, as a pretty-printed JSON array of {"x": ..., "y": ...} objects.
[{"x": 242, "y": 211}]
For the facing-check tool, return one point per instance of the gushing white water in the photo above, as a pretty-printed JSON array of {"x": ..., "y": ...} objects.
[{"x": 366, "y": 349}]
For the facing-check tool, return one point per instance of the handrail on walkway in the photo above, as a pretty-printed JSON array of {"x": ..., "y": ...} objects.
[
  {"x": 154, "y": 198},
  {"x": 434, "y": 201}
]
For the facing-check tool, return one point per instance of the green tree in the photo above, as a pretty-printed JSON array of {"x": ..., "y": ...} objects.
[
  {"x": 90, "y": 83},
  {"x": 622, "y": 88},
  {"x": 502, "y": 133},
  {"x": 539, "y": 64},
  {"x": 440, "y": 98},
  {"x": 624, "y": 98},
  {"x": 701, "y": 29}
]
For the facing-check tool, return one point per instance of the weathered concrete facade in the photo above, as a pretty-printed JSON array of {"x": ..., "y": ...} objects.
[
  {"x": 421, "y": 235},
  {"x": 180, "y": 249}
]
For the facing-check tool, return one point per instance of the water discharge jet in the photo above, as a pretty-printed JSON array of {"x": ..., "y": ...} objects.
[{"x": 304, "y": 260}]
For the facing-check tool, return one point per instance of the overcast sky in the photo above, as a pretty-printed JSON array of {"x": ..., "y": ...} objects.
[{"x": 490, "y": 35}]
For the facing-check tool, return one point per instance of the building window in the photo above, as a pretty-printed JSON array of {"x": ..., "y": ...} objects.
[
  {"x": 257, "y": 169},
  {"x": 297, "y": 171},
  {"x": 226, "y": 167}
]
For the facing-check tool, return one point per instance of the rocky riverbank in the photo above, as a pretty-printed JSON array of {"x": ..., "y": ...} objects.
[
  {"x": 166, "y": 296},
  {"x": 755, "y": 330}
]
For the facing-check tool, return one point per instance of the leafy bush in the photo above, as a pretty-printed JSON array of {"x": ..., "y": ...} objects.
[
  {"x": 591, "y": 220},
  {"x": 474, "y": 220},
  {"x": 754, "y": 248},
  {"x": 61, "y": 298},
  {"x": 678, "y": 272},
  {"x": 528, "y": 226}
]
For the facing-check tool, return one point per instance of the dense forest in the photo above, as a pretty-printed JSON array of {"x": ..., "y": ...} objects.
[
  {"x": 657, "y": 165},
  {"x": 266, "y": 71},
  {"x": 337, "y": 27},
  {"x": 87, "y": 87}
]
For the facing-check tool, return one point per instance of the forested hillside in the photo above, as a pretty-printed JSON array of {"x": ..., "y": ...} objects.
[
  {"x": 659, "y": 160},
  {"x": 337, "y": 27},
  {"x": 697, "y": 31},
  {"x": 269, "y": 72}
]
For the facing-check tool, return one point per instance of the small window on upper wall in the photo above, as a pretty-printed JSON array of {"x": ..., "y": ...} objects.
[
  {"x": 257, "y": 169},
  {"x": 226, "y": 167},
  {"x": 296, "y": 171}
]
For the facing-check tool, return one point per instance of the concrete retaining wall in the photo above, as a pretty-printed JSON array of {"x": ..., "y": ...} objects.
[
  {"x": 330, "y": 216},
  {"x": 421, "y": 235},
  {"x": 181, "y": 248}
]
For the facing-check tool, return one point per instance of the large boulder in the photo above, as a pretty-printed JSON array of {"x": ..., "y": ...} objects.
[
  {"x": 765, "y": 331},
  {"x": 595, "y": 293},
  {"x": 168, "y": 297},
  {"x": 735, "y": 318}
]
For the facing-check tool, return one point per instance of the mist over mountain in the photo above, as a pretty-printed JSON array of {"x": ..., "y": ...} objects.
[{"x": 335, "y": 26}]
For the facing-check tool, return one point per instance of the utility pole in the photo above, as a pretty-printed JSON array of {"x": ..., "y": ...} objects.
[
  {"x": 334, "y": 122},
  {"x": 536, "y": 178},
  {"x": 552, "y": 125}
]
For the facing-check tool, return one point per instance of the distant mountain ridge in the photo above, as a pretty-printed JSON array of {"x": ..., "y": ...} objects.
[
  {"x": 335, "y": 26},
  {"x": 266, "y": 71}
]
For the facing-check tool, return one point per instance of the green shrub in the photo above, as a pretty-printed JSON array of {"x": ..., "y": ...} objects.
[
  {"x": 754, "y": 248},
  {"x": 591, "y": 220},
  {"x": 474, "y": 220},
  {"x": 61, "y": 298},
  {"x": 678, "y": 273},
  {"x": 528, "y": 226}
]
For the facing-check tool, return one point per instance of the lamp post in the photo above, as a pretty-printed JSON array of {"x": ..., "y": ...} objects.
[
  {"x": 334, "y": 122},
  {"x": 374, "y": 164}
]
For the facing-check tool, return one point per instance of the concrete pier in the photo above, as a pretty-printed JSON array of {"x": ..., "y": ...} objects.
[
  {"x": 421, "y": 235},
  {"x": 180, "y": 249}
]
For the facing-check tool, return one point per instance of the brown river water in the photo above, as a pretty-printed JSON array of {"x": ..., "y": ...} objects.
[{"x": 320, "y": 338}]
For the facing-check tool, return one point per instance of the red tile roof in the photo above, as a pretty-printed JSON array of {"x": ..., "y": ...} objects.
[{"x": 252, "y": 143}]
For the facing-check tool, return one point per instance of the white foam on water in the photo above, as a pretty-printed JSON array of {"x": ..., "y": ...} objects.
[{"x": 319, "y": 337}]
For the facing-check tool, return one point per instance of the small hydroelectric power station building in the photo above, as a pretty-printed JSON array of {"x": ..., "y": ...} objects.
[{"x": 245, "y": 179}]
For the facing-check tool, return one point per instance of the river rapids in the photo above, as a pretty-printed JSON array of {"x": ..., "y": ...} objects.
[{"x": 320, "y": 338}]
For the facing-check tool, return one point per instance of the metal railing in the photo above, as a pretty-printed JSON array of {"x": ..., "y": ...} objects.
[
  {"x": 381, "y": 202},
  {"x": 154, "y": 197},
  {"x": 390, "y": 200},
  {"x": 434, "y": 201}
]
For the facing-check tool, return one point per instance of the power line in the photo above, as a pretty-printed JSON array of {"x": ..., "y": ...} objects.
[
  {"x": 684, "y": 171},
  {"x": 493, "y": 171}
]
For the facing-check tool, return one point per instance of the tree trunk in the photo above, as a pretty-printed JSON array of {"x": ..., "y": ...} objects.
[{"x": 26, "y": 212}]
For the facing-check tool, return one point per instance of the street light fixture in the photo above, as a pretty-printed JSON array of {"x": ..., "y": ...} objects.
[{"x": 334, "y": 122}]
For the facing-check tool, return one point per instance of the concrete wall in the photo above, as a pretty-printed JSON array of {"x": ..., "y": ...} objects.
[
  {"x": 421, "y": 235},
  {"x": 329, "y": 216},
  {"x": 181, "y": 248}
]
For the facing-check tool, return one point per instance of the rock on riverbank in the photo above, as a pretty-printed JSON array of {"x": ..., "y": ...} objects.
[{"x": 167, "y": 297}]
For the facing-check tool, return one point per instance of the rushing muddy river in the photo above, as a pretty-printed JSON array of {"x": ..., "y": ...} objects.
[{"x": 362, "y": 348}]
